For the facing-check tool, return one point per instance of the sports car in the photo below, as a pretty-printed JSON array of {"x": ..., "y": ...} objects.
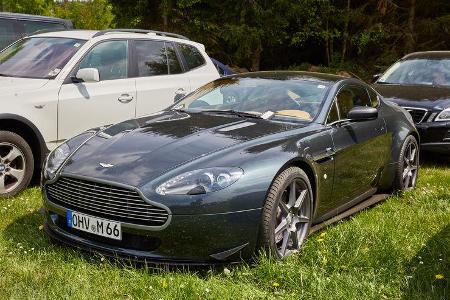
[{"x": 246, "y": 162}]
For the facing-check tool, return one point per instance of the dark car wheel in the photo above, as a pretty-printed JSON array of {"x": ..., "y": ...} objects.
[
  {"x": 408, "y": 165},
  {"x": 287, "y": 213},
  {"x": 16, "y": 164}
]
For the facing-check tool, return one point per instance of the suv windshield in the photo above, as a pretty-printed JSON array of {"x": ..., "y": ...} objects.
[
  {"x": 38, "y": 57},
  {"x": 418, "y": 72},
  {"x": 294, "y": 99}
]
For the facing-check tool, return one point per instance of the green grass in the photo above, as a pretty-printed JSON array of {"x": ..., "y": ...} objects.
[{"x": 391, "y": 251}]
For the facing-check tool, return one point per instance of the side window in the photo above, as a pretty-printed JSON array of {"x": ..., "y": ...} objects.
[
  {"x": 151, "y": 58},
  {"x": 374, "y": 101},
  {"x": 351, "y": 96},
  {"x": 31, "y": 27},
  {"x": 172, "y": 58},
  {"x": 109, "y": 58},
  {"x": 192, "y": 56},
  {"x": 333, "y": 115},
  {"x": 7, "y": 33}
]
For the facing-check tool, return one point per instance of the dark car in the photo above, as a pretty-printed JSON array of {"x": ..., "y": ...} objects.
[
  {"x": 215, "y": 178},
  {"x": 420, "y": 82},
  {"x": 15, "y": 26},
  {"x": 222, "y": 68}
]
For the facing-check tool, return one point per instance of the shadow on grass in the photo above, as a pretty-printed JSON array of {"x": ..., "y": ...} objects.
[
  {"x": 425, "y": 270},
  {"x": 26, "y": 233}
]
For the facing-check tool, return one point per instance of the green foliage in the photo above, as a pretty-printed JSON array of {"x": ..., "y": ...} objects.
[{"x": 94, "y": 14}]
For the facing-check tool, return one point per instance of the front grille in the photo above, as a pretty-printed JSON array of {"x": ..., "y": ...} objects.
[
  {"x": 106, "y": 201},
  {"x": 418, "y": 114}
]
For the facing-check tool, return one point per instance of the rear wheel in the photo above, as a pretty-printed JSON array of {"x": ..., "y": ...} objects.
[
  {"x": 287, "y": 213},
  {"x": 16, "y": 164},
  {"x": 408, "y": 165}
]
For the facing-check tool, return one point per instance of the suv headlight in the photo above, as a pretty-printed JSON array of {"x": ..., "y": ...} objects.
[
  {"x": 443, "y": 115},
  {"x": 58, "y": 156},
  {"x": 200, "y": 181}
]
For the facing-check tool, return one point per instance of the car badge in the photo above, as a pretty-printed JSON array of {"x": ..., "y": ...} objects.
[{"x": 106, "y": 165}]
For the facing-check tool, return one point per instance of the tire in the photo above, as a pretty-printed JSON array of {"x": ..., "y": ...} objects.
[
  {"x": 408, "y": 166},
  {"x": 16, "y": 164},
  {"x": 286, "y": 218}
]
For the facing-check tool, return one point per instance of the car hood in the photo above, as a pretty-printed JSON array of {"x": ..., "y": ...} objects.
[
  {"x": 138, "y": 151},
  {"x": 12, "y": 85},
  {"x": 428, "y": 97}
]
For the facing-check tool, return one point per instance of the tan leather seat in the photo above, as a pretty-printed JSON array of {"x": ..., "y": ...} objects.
[{"x": 295, "y": 113}]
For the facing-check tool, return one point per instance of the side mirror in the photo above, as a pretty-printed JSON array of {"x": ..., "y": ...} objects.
[
  {"x": 179, "y": 94},
  {"x": 362, "y": 113},
  {"x": 88, "y": 75},
  {"x": 376, "y": 77}
]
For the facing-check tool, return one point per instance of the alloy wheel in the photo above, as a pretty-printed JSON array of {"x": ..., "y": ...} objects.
[
  {"x": 12, "y": 167},
  {"x": 293, "y": 218},
  {"x": 410, "y": 165}
]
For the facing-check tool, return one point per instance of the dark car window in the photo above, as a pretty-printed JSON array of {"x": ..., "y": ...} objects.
[
  {"x": 374, "y": 101},
  {"x": 7, "y": 33},
  {"x": 333, "y": 115},
  {"x": 192, "y": 56},
  {"x": 31, "y": 27},
  {"x": 109, "y": 58},
  {"x": 174, "y": 63},
  {"x": 151, "y": 58},
  {"x": 351, "y": 96},
  {"x": 38, "y": 57}
]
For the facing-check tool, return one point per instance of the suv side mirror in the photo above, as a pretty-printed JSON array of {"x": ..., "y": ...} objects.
[
  {"x": 376, "y": 77},
  {"x": 362, "y": 113},
  {"x": 88, "y": 75}
]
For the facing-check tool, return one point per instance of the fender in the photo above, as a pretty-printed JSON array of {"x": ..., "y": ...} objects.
[{"x": 40, "y": 139}]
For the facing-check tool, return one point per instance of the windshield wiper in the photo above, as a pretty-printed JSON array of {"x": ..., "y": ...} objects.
[{"x": 241, "y": 114}]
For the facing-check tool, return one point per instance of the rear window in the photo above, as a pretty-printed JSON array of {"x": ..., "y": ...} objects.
[
  {"x": 156, "y": 58},
  {"x": 31, "y": 27},
  {"x": 192, "y": 56},
  {"x": 7, "y": 33}
]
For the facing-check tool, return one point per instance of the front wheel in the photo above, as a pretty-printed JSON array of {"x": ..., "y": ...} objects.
[
  {"x": 287, "y": 213},
  {"x": 16, "y": 164},
  {"x": 408, "y": 165}
]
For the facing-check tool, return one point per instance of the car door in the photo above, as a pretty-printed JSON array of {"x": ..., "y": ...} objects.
[
  {"x": 84, "y": 105},
  {"x": 359, "y": 147},
  {"x": 160, "y": 79}
]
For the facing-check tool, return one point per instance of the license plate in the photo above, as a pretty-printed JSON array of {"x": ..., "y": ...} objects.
[{"x": 94, "y": 225}]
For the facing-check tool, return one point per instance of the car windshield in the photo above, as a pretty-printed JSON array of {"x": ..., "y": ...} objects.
[
  {"x": 418, "y": 72},
  {"x": 298, "y": 99},
  {"x": 38, "y": 57}
]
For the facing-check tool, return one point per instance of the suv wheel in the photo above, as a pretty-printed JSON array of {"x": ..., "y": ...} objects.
[{"x": 16, "y": 164}]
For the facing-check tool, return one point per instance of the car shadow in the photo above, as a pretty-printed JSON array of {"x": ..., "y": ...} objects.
[{"x": 428, "y": 273}]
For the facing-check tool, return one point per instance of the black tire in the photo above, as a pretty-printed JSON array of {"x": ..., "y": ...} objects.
[
  {"x": 10, "y": 185},
  {"x": 272, "y": 214},
  {"x": 406, "y": 165}
]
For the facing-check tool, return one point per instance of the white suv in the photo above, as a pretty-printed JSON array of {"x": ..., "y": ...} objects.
[{"x": 56, "y": 85}]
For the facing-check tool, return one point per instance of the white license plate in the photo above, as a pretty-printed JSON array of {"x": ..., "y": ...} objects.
[{"x": 94, "y": 225}]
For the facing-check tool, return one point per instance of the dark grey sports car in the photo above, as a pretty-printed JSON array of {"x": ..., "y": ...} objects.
[{"x": 245, "y": 162}]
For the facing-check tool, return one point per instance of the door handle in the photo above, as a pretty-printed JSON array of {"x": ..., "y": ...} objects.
[{"x": 125, "y": 98}]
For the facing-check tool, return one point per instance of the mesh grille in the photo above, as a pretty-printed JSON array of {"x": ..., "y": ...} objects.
[{"x": 104, "y": 200}]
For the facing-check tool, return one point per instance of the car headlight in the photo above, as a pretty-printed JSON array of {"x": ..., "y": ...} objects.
[
  {"x": 58, "y": 156},
  {"x": 200, "y": 181},
  {"x": 443, "y": 115}
]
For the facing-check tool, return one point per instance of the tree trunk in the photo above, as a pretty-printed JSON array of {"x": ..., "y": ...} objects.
[
  {"x": 256, "y": 60},
  {"x": 410, "y": 40},
  {"x": 345, "y": 33}
]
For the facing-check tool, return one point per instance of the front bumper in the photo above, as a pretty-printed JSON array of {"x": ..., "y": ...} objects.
[
  {"x": 435, "y": 136},
  {"x": 188, "y": 239}
]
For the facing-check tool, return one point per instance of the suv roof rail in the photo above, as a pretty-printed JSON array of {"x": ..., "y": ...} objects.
[{"x": 144, "y": 31}]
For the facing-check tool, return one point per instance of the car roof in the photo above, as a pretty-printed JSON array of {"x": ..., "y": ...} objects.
[
  {"x": 286, "y": 75},
  {"x": 89, "y": 34},
  {"x": 428, "y": 55},
  {"x": 7, "y": 15}
]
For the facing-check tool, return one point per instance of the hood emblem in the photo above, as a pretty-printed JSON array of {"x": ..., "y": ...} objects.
[{"x": 106, "y": 165}]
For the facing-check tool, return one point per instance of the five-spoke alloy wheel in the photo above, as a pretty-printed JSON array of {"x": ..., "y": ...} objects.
[
  {"x": 408, "y": 165},
  {"x": 287, "y": 213},
  {"x": 16, "y": 164}
]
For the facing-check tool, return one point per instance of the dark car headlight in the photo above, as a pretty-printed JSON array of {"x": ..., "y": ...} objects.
[
  {"x": 58, "y": 156},
  {"x": 443, "y": 115},
  {"x": 200, "y": 181}
]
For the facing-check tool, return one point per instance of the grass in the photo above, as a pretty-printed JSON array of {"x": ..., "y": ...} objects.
[{"x": 397, "y": 250}]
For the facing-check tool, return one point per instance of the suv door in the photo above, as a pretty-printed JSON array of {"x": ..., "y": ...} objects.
[
  {"x": 85, "y": 105},
  {"x": 159, "y": 76},
  {"x": 359, "y": 146}
]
